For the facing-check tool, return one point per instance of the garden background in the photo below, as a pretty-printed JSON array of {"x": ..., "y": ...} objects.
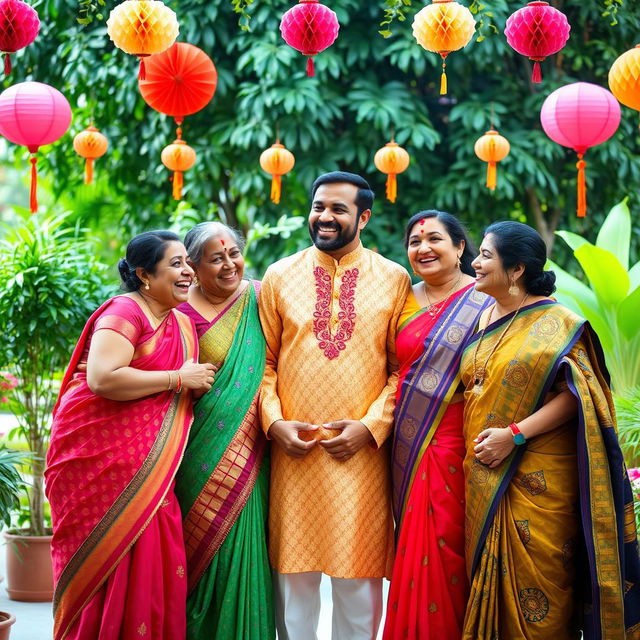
[{"x": 367, "y": 89}]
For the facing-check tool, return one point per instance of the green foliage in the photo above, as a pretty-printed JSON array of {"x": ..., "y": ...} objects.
[
  {"x": 612, "y": 301},
  {"x": 628, "y": 417},
  {"x": 11, "y": 483},
  {"x": 52, "y": 282}
]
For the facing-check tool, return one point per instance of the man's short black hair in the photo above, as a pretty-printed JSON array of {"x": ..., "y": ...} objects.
[{"x": 364, "y": 197}]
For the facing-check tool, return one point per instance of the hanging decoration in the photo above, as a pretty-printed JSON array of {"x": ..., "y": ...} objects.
[
  {"x": 492, "y": 148},
  {"x": 579, "y": 116},
  {"x": 179, "y": 82},
  {"x": 178, "y": 157},
  {"x": 19, "y": 26},
  {"x": 442, "y": 27},
  {"x": 33, "y": 114},
  {"x": 391, "y": 159},
  {"x": 309, "y": 27},
  {"x": 624, "y": 78},
  {"x": 537, "y": 31},
  {"x": 277, "y": 160},
  {"x": 142, "y": 28},
  {"x": 90, "y": 144}
]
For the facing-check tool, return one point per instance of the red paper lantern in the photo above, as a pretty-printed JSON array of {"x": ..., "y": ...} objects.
[
  {"x": 309, "y": 27},
  {"x": 33, "y": 114},
  {"x": 179, "y": 81},
  {"x": 19, "y": 26},
  {"x": 537, "y": 31},
  {"x": 579, "y": 116}
]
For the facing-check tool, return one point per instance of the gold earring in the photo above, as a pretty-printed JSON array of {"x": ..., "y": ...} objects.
[
  {"x": 513, "y": 290},
  {"x": 459, "y": 264},
  {"x": 195, "y": 280},
  {"x": 146, "y": 285}
]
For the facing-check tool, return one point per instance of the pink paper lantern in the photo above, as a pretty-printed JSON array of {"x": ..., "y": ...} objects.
[
  {"x": 19, "y": 26},
  {"x": 309, "y": 27},
  {"x": 579, "y": 116},
  {"x": 537, "y": 31},
  {"x": 33, "y": 114}
]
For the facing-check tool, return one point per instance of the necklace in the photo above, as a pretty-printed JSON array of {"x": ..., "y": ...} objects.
[
  {"x": 479, "y": 373},
  {"x": 157, "y": 317},
  {"x": 219, "y": 308},
  {"x": 432, "y": 309}
]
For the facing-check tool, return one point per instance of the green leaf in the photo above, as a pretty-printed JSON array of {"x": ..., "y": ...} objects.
[
  {"x": 629, "y": 315},
  {"x": 572, "y": 239},
  {"x": 615, "y": 233},
  {"x": 608, "y": 278},
  {"x": 634, "y": 276}
]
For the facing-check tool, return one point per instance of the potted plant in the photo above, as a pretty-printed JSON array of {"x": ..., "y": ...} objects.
[
  {"x": 51, "y": 282},
  {"x": 11, "y": 486}
]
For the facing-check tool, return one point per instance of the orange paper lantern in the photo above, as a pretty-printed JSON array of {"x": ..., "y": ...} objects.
[
  {"x": 142, "y": 28},
  {"x": 90, "y": 144},
  {"x": 624, "y": 78},
  {"x": 392, "y": 159},
  {"x": 491, "y": 148},
  {"x": 277, "y": 160},
  {"x": 178, "y": 157},
  {"x": 442, "y": 27}
]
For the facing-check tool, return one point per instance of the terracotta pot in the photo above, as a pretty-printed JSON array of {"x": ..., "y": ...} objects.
[
  {"x": 29, "y": 572},
  {"x": 6, "y": 620}
]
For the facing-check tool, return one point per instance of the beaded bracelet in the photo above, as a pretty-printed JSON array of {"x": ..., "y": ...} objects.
[{"x": 179, "y": 383}]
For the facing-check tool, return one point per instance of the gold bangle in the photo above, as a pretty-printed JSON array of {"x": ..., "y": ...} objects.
[{"x": 170, "y": 381}]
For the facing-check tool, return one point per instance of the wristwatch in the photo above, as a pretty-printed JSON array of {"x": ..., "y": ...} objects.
[{"x": 518, "y": 437}]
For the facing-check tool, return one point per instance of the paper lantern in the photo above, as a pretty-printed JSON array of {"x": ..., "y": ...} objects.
[
  {"x": 178, "y": 157},
  {"x": 537, "y": 31},
  {"x": 309, "y": 27},
  {"x": 277, "y": 160},
  {"x": 90, "y": 144},
  {"x": 142, "y": 28},
  {"x": 19, "y": 26},
  {"x": 179, "y": 81},
  {"x": 492, "y": 148},
  {"x": 624, "y": 78},
  {"x": 392, "y": 159},
  {"x": 442, "y": 27},
  {"x": 579, "y": 116},
  {"x": 33, "y": 114}
]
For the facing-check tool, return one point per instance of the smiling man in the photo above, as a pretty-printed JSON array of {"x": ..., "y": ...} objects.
[{"x": 329, "y": 315}]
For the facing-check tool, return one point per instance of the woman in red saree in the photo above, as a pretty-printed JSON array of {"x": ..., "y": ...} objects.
[
  {"x": 119, "y": 431},
  {"x": 429, "y": 588}
]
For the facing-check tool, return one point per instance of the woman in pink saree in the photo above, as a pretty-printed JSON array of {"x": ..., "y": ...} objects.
[{"x": 119, "y": 430}]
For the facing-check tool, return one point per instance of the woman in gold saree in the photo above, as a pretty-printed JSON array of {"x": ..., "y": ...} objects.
[
  {"x": 223, "y": 483},
  {"x": 550, "y": 536}
]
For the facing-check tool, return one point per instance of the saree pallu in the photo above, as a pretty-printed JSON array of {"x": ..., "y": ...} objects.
[
  {"x": 429, "y": 587},
  {"x": 223, "y": 485},
  {"x": 550, "y": 536},
  {"x": 117, "y": 548}
]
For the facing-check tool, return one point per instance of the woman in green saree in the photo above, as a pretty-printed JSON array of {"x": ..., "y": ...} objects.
[
  {"x": 550, "y": 537},
  {"x": 223, "y": 482}
]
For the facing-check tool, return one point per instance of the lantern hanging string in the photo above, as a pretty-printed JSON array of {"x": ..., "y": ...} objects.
[
  {"x": 7, "y": 64},
  {"x": 536, "y": 74},
  {"x": 33, "y": 200},
  {"x": 581, "y": 165},
  {"x": 443, "y": 77}
]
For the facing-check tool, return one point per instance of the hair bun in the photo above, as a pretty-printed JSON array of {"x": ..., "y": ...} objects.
[{"x": 542, "y": 284}]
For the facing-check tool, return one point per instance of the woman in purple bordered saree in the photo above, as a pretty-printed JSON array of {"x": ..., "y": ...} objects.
[
  {"x": 551, "y": 543},
  {"x": 119, "y": 430},
  {"x": 223, "y": 482}
]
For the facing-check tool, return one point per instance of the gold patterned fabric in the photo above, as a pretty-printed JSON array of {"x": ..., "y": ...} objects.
[
  {"x": 543, "y": 549},
  {"x": 330, "y": 331}
]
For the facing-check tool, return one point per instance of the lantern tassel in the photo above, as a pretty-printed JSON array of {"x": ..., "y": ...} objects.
[
  {"x": 7, "y": 64},
  {"x": 310, "y": 67},
  {"x": 392, "y": 187},
  {"x": 582, "y": 187},
  {"x": 88, "y": 171},
  {"x": 443, "y": 79},
  {"x": 33, "y": 201},
  {"x": 178, "y": 183},
  {"x": 276, "y": 188},
  {"x": 142, "y": 74},
  {"x": 492, "y": 175},
  {"x": 536, "y": 74}
]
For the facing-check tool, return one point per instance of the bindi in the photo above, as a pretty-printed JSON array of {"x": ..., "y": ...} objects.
[{"x": 222, "y": 242}]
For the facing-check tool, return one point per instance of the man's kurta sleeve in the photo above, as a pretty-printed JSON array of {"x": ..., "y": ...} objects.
[
  {"x": 270, "y": 407},
  {"x": 379, "y": 417}
]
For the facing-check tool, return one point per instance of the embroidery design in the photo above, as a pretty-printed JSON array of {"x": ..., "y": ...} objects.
[
  {"x": 333, "y": 344},
  {"x": 534, "y": 605},
  {"x": 523, "y": 531},
  {"x": 534, "y": 482}
]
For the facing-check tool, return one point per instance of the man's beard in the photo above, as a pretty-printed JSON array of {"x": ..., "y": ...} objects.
[{"x": 340, "y": 240}]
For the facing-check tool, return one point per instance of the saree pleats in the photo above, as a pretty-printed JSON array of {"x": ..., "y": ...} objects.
[
  {"x": 222, "y": 486},
  {"x": 548, "y": 553}
]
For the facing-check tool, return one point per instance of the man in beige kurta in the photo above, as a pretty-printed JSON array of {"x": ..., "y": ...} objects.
[{"x": 329, "y": 315}]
